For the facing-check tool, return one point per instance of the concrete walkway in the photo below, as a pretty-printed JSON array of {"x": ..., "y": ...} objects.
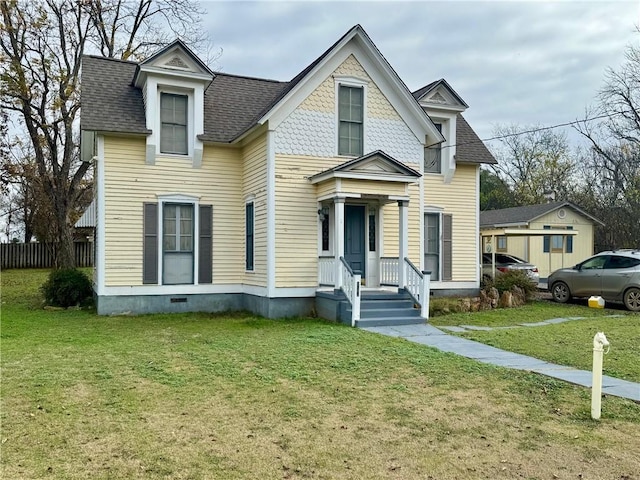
[{"x": 431, "y": 336}]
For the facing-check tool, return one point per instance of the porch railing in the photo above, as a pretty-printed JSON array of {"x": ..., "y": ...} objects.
[
  {"x": 389, "y": 267},
  {"x": 417, "y": 285},
  {"x": 351, "y": 288},
  {"x": 326, "y": 271}
]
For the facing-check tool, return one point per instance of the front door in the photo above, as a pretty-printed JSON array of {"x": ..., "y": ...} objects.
[{"x": 354, "y": 238}]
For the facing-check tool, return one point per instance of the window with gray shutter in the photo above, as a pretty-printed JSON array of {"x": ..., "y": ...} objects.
[
  {"x": 447, "y": 247},
  {"x": 150, "y": 244}
]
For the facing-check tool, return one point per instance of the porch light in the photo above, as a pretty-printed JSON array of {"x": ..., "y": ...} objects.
[{"x": 323, "y": 213}]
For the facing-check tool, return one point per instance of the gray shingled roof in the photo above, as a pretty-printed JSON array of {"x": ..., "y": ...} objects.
[
  {"x": 526, "y": 214},
  {"x": 418, "y": 94},
  {"x": 108, "y": 100},
  {"x": 469, "y": 148},
  {"x": 111, "y": 104},
  {"x": 233, "y": 104}
]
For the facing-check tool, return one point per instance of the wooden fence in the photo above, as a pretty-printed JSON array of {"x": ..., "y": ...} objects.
[{"x": 40, "y": 255}]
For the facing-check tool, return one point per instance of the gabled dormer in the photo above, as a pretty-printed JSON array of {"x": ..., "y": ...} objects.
[
  {"x": 442, "y": 104},
  {"x": 173, "y": 82}
]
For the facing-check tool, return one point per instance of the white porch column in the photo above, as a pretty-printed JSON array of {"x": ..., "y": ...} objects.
[
  {"x": 403, "y": 241},
  {"x": 338, "y": 231}
]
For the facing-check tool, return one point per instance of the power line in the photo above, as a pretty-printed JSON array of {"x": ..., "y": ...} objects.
[{"x": 537, "y": 129}]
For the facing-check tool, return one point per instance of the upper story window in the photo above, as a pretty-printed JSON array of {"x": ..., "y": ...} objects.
[
  {"x": 350, "y": 119},
  {"x": 174, "y": 125},
  {"x": 433, "y": 156}
]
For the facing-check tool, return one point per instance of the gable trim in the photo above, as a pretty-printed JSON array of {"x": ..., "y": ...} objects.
[{"x": 356, "y": 43}]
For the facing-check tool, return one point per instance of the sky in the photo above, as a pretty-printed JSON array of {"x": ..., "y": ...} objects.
[{"x": 513, "y": 62}]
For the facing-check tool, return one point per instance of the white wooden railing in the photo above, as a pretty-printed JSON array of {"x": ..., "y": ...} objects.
[
  {"x": 351, "y": 288},
  {"x": 389, "y": 267},
  {"x": 326, "y": 271},
  {"x": 417, "y": 284}
]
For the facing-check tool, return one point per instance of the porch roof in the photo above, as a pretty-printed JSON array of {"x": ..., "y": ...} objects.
[{"x": 376, "y": 165}]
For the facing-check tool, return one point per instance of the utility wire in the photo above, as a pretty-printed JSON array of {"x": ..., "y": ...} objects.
[{"x": 533, "y": 130}]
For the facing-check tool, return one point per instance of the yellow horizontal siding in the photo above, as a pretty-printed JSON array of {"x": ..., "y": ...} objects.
[
  {"x": 582, "y": 242},
  {"x": 255, "y": 186},
  {"x": 130, "y": 182},
  {"x": 458, "y": 198}
]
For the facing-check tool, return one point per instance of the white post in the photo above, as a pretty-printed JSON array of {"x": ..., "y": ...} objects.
[
  {"x": 403, "y": 242},
  {"x": 599, "y": 342},
  {"x": 355, "y": 308},
  {"x": 338, "y": 232},
  {"x": 424, "y": 295}
]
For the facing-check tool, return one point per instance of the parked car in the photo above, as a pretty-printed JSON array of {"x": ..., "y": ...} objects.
[
  {"x": 506, "y": 262},
  {"x": 613, "y": 275}
]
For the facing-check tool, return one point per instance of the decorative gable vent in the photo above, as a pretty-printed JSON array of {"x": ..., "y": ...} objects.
[
  {"x": 177, "y": 62},
  {"x": 437, "y": 98}
]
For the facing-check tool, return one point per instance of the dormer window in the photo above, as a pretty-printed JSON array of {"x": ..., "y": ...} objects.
[
  {"x": 433, "y": 155},
  {"x": 174, "y": 126},
  {"x": 350, "y": 119}
]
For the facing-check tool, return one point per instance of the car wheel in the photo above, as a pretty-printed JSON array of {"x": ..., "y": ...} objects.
[
  {"x": 632, "y": 299},
  {"x": 560, "y": 292}
]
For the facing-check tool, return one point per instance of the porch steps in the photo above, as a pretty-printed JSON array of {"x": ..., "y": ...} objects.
[{"x": 386, "y": 309}]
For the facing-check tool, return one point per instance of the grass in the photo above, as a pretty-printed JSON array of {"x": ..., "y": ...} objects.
[
  {"x": 569, "y": 343},
  {"x": 235, "y": 396}
]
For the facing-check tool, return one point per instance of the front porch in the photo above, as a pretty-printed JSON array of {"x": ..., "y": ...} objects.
[{"x": 358, "y": 225}]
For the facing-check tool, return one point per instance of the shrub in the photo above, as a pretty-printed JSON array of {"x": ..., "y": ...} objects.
[
  {"x": 515, "y": 278},
  {"x": 67, "y": 288}
]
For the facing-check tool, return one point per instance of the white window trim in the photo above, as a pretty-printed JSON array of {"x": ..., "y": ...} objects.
[
  {"x": 321, "y": 252},
  {"x": 181, "y": 199},
  {"x": 349, "y": 81},
  {"x": 439, "y": 212},
  {"x": 189, "y": 93}
]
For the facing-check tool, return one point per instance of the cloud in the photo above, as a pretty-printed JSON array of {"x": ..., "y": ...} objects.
[{"x": 512, "y": 62}]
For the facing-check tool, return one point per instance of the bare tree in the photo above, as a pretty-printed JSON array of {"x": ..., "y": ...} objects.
[
  {"x": 41, "y": 46},
  {"x": 612, "y": 165},
  {"x": 533, "y": 162}
]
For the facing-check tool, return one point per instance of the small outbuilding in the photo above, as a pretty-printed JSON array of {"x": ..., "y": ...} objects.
[{"x": 550, "y": 235}]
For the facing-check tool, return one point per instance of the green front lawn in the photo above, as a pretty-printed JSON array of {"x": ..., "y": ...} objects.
[{"x": 204, "y": 396}]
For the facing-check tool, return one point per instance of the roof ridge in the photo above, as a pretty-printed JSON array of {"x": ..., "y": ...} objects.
[
  {"x": 249, "y": 77},
  {"x": 111, "y": 59}
]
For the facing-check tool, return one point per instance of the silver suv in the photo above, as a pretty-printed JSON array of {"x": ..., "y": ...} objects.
[{"x": 613, "y": 275}]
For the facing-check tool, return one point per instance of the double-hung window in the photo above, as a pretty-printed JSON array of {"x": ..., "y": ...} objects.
[
  {"x": 174, "y": 125},
  {"x": 350, "y": 120},
  {"x": 433, "y": 155},
  {"x": 177, "y": 243}
]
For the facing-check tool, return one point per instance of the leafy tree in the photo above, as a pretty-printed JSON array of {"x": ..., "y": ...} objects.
[
  {"x": 494, "y": 192},
  {"x": 534, "y": 162},
  {"x": 41, "y": 47},
  {"x": 612, "y": 165}
]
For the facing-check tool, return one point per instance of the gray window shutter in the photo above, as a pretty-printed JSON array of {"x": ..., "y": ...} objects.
[
  {"x": 205, "y": 266},
  {"x": 447, "y": 247},
  {"x": 150, "y": 243},
  {"x": 546, "y": 240}
]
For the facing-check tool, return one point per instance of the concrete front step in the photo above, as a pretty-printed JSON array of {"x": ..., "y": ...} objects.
[
  {"x": 388, "y": 312},
  {"x": 389, "y": 321}
]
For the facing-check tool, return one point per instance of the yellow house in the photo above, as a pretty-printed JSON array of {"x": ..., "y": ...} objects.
[
  {"x": 550, "y": 235},
  {"x": 324, "y": 193}
]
